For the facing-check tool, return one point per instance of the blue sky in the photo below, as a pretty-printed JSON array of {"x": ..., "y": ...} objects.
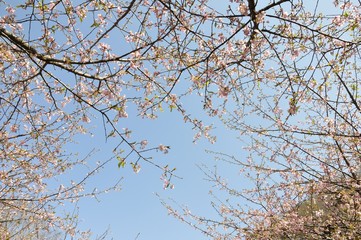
[{"x": 136, "y": 208}]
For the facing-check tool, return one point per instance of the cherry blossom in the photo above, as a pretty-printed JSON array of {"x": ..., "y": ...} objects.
[{"x": 284, "y": 74}]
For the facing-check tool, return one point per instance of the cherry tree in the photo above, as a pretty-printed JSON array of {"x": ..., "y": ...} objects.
[
  {"x": 284, "y": 73},
  {"x": 288, "y": 74},
  {"x": 63, "y": 64}
]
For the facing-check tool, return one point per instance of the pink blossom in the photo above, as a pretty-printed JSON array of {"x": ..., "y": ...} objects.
[
  {"x": 223, "y": 92},
  {"x": 103, "y": 47},
  {"x": 10, "y": 10},
  {"x": 143, "y": 144},
  {"x": 163, "y": 148},
  {"x": 246, "y": 30},
  {"x": 294, "y": 54},
  {"x": 338, "y": 21},
  {"x": 85, "y": 119},
  {"x": 136, "y": 167},
  {"x": 243, "y": 9},
  {"x": 14, "y": 128},
  {"x": 108, "y": 94},
  {"x": 101, "y": 19}
]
